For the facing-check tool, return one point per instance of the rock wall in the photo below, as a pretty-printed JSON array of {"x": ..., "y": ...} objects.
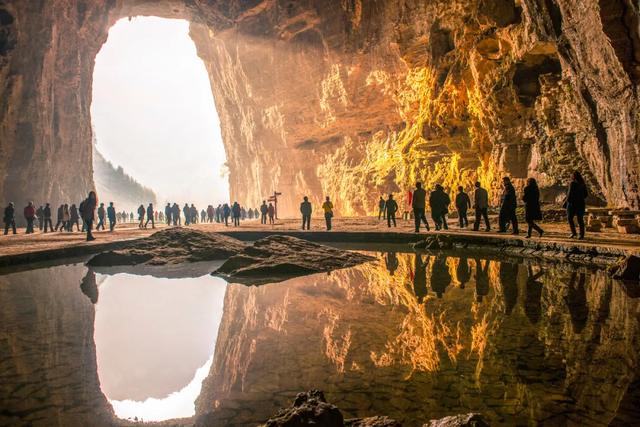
[{"x": 350, "y": 98}]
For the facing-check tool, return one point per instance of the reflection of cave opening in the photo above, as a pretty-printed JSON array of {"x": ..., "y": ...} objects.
[{"x": 155, "y": 122}]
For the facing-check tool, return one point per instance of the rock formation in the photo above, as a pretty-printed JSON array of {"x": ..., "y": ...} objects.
[
  {"x": 349, "y": 98},
  {"x": 276, "y": 258}
]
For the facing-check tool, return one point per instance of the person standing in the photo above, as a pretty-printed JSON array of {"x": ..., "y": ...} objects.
[
  {"x": 40, "y": 216},
  {"x": 186, "y": 210},
  {"x": 532, "y": 211},
  {"x": 66, "y": 217},
  {"x": 210, "y": 213},
  {"x": 194, "y": 214},
  {"x": 59, "y": 222},
  {"x": 150, "y": 216},
  {"x": 391, "y": 207},
  {"x": 481, "y": 206},
  {"x": 74, "y": 217},
  {"x": 264, "y": 209},
  {"x": 167, "y": 213},
  {"x": 508, "y": 204},
  {"x": 576, "y": 203},
  {"x": 176, "y": 214},
  {"x": 9, "y": 218},
  {"x": 47, "y": 218},
  {"x": 30, "y": 216},
  {"x": 88, "y": 212},
  {"x": 141, "y": 212},
  {"x": 418, "y": 200},
  {"x": 237, "y": 212},
  {"x": 381, "y": 208},
  {"x": 101, "y": 214},
  {"x": 462, "y": 204},
  {"x": 327, "y": 207},
  {"x": 271, "y": 211},
  {"x": 111, "y": 214},
  {"x": 305, "y": 210},
  {"x": 439, "y": 202}
]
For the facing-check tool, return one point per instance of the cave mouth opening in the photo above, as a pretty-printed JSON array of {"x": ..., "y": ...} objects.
[{"x": 156, "y": 129}]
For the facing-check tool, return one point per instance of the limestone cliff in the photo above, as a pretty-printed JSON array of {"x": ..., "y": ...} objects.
[{"x": 350, "y": 98}]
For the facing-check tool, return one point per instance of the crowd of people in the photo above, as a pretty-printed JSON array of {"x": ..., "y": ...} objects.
[{"x": 438, "y": 201}]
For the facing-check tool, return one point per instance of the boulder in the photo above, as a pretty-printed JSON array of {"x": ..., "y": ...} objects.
[
  {"x": 308, "y": 409},
  {"x": 276, "y": 258},
  {"x": 171, "y": 246},
  {"x": 628, "y": 269},
  {"x": 462, "y": 420}
]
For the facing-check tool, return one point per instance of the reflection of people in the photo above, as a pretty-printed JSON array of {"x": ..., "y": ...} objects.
[
  {"x": 440, "y": 277},
  {"x": 391, "y": 261},
  {"x": 577, "y": 302},
  {"x": 482, "y": 279},
  {"x": 463, "y": 272},
  {"x": 509, "y": 284},
  {"x": 89, "y": 286},
  {"x": 420, "y": 278},
  {"x": 532, "y": 300}
]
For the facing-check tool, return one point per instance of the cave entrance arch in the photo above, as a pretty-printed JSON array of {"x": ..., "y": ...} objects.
[{"x": 155, "y": 125}]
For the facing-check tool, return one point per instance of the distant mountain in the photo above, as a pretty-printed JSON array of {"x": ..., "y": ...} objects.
[{"x": 114, "y": 185}]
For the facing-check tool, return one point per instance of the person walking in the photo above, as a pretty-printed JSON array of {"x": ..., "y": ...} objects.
[
  {"x": 381, "y": 208},
  {"x": 508, "y": 204},
  {"x": 237, "y": 212},
  {"x": 88, "y": 212},
  {"x": 226, "y": 212},
  {"x": 391, "y": 207},
  {"x": 9, "y": 218},
  {"x": 74, "y": 217},
  {"x": 439, "y": 202},
  {"x": 194, "y": 214},
  {"x": 59, "y": 222},
  {"x": 101, "y": 215},
  {"x": 186, "y": 210},
  {"x": 481, "y": 206},
  {"x": 418, "y": 200},
  {"x": 30, "y": 216},
  {"x": 305, "y": 210},
  {"x": 327, "y": 207},
  {"x": 47, "y": 218},
  {"x": 167, "y": 213},
  {"x": 264, "y": 209},
  {"x": 175, "y": 214},
  {"x": 141, "y": 212},
  {"x": 40, "y": 217},
  {"x": 271, "y": 211},
  {"x": 111, "y": 215},
  {"x": 532, "y": 211},
  {"x": 150, "y": 216},
  {"x": 462, "y": 204},
  {"x": 210, "y": 213},
  {"x": 576, "y": 204}
]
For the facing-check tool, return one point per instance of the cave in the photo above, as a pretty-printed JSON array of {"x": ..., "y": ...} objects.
[{"x": 346, "y": 74}]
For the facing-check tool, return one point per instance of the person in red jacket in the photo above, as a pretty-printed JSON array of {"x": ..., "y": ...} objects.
[{"x": 30, "y": 216}]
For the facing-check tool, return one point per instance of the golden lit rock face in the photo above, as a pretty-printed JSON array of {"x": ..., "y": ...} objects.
[{"x": 351, "y": 98}]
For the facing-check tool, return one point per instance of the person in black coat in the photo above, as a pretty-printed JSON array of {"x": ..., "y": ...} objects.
[
  {"x": 508, "y": 204},
  {"x": 9, "y": 218},
  {"x": 532, "y": 211},
  {"x": 576, "y": 203}
]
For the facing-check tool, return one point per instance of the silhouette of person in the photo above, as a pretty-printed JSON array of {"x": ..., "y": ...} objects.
[
  {"x": 440, "y": 276},
  {"x": 532, "y": 211},
  {"x": 150, "y": 216},
  {"x": 420, "y": 278},
  {"x": 576, "y": 203},
  {"x": 391, "y": 207},
  {"x": 88, "y": 212},
  {"x": 193, "y": 211},
  {"x": 533, "y": 296},
  {"x": 509, "y": 284},
  {"x": 30, "y": 216},
  {"x": 327, "y": 207},
  {"x": 237, "y": 213},
  {"x": 463, "y": 202},
  {"x": 508, "y": 205},
  {"x": 66, "y": 217},
  {"x": 175, "y": 214},
  {"x": 47, "y": 218},
  {"x": 482, "y": 279},
  {"x": 186, "y": 211},
  {"x": 141, "y": 212},
  {"x": 305, "y": 210},
  {"x": 264, "y": 209},
  {"x": 111, "y": 215},
  {"x": 89, "y": 286},
  {"x": 381, "y": 208},
  {"x": 226, "y": 212},
  {"x": 168, "y": 213},
  {"x": 463, "y": 271},
  {"x": 391, "y": 261},
  {"x": 439, "y": 202},
  {"x": 576, "y": 300},
  {"x": 481, "y": 206},
  {"x": 9, "y": 218},
  {"x": 59, "y": 221},
  {"x": 101, "y": 215},
  {"x": 271, "y": 210},
  {"x": 74, "y": 217},
  {"x": 418, "y": 202},
  {"x": 40, "y": 216}
]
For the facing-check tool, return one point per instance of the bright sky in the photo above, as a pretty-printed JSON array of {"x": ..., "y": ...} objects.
[{"x": 154, "y": 114}]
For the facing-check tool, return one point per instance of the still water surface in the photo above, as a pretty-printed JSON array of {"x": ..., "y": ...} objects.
[{"x": 411, "y": 336}]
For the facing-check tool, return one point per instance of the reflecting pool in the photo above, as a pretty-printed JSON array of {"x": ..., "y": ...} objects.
[{"x": 411, "y": 336}]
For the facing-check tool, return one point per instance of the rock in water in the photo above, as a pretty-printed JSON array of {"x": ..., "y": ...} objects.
[
  {"x": 276, "y": 258},
  {"x": 372, "y": 422},
  {"x": 171, "y": 246},
  {"x": 463, "y": 420},
  {"x": 309, "y": 409}
]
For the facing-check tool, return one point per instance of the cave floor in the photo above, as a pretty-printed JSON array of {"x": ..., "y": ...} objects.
[{"x": 59, "y": 244}]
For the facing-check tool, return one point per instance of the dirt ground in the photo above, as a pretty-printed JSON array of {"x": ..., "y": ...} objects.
[{"x": 554, "y": 232}]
